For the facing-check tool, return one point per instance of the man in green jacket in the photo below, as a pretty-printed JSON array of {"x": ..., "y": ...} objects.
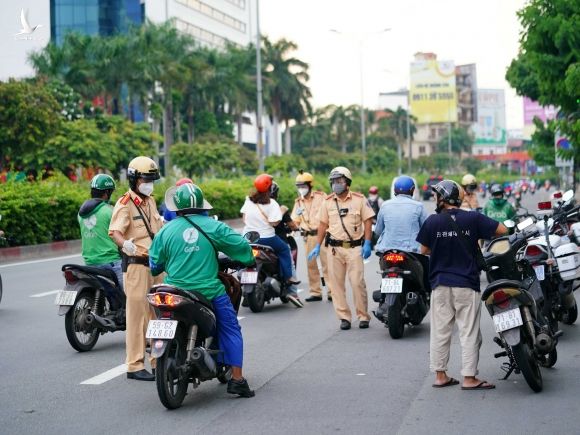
[
  {"x": 189, "y": 258},
  {"x": 98, "y": 250},
  {"x": 498, "y": 208}
]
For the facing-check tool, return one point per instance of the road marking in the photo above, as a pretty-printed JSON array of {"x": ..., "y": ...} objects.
[
  {"x": 240, "y": 318},
  {"x": 361, "y": 374},
  {"x": 41, "y": 295},
  {"x": 44, "y": 260},
  {"x": 300, "y": 290},
  {"x": 106, "y": 376}
]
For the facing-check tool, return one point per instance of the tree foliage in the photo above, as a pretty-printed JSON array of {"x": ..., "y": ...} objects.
[
  {"x": 542, "y": 147},
  {"x": 461, "y": 141}
]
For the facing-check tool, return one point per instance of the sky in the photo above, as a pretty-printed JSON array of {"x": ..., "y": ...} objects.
[{"x": 484, "y": 32}]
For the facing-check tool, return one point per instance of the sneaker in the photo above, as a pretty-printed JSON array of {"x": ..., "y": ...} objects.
[
  {"x": 344, "y": 324},
  {"x": 295, "y": 300},
  {"x": 240, "y": 387}
]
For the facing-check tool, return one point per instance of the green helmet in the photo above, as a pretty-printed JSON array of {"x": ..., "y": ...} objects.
[
  {"x": 186, "y": 196},
  {"x": 103, "y": 182}
]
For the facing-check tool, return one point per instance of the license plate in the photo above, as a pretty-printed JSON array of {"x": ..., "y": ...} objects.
[
  {"x": 540, "y": 274},
  {"x": 66, "y": 297},
  {"x": 249, "y": 277},
  {"x": 164, "y": 329},
  {"x": 392, "y": 285},
  {"x": 507, "y": 320}
]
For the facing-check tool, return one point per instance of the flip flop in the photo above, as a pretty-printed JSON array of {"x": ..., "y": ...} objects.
[
  {"x": 480, "y": 386},
  {"x": 449, "y": 383}
]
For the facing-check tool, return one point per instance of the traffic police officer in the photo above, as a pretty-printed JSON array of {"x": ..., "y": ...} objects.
[
  {"x": 347, "y": 217},
  {"x": 305, "y": 214},
  {"x": 134, "y": 223}
]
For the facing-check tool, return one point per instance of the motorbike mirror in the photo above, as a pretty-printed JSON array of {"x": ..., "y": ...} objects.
[
  {"x": 509, "y": 223},
  {"x": 525, "y": 224},
  {"x": 568, "y": 196},
  {"x": 252, "y": 236}
]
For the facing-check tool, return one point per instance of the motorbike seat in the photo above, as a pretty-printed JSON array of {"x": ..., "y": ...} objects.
[
  {"x": 500, "y": 283},
  {"x": 105, "y": 273}
]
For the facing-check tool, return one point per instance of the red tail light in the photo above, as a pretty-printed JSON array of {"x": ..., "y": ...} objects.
[
  {"x": 545, "y": 205},
  {"x": 70, "y": 277},
  {"x": 501, "y": 299},
  {"x": 392, "y": 275},
  {"x": 533, "y": 251},
  {"x": 162, "y": 299},
  {"x": 557, "y": 195},
  {"x": 394, "y": 258}
]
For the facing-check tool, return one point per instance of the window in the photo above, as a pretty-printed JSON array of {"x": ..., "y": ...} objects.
[
  {"x": 217, "y": 15},
  {"x": 421, "y": 150}
]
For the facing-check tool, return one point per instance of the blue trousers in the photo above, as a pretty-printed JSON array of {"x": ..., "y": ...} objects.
[
  {"x": 112, "y": 295},
  {"x": 229, "y": 332},
  {"x": 283, "y": 251}
]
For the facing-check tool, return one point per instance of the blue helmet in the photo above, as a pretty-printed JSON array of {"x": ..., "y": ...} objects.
[{"x": 404, "y": 185}]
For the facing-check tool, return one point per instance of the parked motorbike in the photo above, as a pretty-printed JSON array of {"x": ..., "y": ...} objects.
[
  {"x": 262, "y": 283},
  {"x": 92, "y": 302},
  {"x": 184, "y": 339},
  {"x": 514, "y": 299},
  {"x": 403, "y": 297}
]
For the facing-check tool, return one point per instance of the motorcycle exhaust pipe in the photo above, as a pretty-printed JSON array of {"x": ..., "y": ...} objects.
[
  {"x": 568, "y": 300},
  {"x": 204, "y": 363},
  {"x": 273, "y": 284},
  {"x": 544, "y": 343}
]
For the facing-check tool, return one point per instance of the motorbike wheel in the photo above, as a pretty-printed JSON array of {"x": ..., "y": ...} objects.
[
  {"x": 395, "y": 320},
  {"x": 171, "y": 381},
  {"x": 550, "y": 359},
  {"x": 225, "y": 374},
  {"x": 257, "y": 298},
  {"x": 528, "y": 365},
  {"x": 568, "y": 317},
  {"x": 81, "y": 337}
]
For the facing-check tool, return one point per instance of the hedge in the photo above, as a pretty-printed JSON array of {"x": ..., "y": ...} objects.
[{"x": 46, "y": 211}]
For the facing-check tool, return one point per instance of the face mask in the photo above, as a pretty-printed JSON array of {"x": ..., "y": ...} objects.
[
  {"x": 373, "y": 197},
  {"x": 303, "y": 191},
  {"x": 498, "y": 201},
  {"x": 146, "y": 189},
  {"x": 338, "y": 188}
]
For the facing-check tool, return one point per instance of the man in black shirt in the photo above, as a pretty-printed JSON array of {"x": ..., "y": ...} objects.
[{"x": 454, "y": 277}]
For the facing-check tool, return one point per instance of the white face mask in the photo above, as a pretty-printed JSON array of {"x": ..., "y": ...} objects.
[
  {"x": 146, "y": 189},
  {"x": 303, "y": 191},
  {"x": 373, "y": 197}
]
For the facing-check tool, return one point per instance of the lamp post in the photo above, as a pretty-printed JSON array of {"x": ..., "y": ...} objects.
[
  {"x": 259, "y": 144},
  {"x": 362, "y": 107}
]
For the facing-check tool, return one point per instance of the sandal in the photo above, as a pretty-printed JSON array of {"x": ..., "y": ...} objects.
[
  {"x": 450, "y": 382},
  {"x": 483, "y": 385}
]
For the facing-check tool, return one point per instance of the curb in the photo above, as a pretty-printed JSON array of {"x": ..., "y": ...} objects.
[{"x": 65, "y": 247}]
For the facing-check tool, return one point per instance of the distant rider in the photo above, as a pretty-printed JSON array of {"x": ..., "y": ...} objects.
[
  {"x": 197, "y": 269},
  {"x": 469, "y": 184},
  {"x": 497, "y": 207},
  {"x": 374, "y": 200}
]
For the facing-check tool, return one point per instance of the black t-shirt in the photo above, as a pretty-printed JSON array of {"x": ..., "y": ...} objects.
[{"x": 450, "y": 263}]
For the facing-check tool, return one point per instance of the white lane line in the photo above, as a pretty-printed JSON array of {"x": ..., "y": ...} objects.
[
  {"x": 44, "y": 260},
  {"x": 41, "y": 295},
  {"x": 300, "y": 290},
  {"x": 240, "y": 318},
  {"x": 366, "y": 261},
  {"x": 106, "y": 376}
]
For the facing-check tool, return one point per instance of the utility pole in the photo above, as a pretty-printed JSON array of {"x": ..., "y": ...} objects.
[
  {"x": 363, "y": 132},
  {"x": 409, "y": 132},
  {"x": 259, "y": 143}
]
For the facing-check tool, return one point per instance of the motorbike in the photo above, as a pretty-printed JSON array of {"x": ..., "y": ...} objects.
[
  {"x": 184, "y": 339},
  {"x": 402, "y": 297},
  {"x": 93, "y": 304},
  {"x": 556, "y": 260},
  {"x": 514, "y": 300}
]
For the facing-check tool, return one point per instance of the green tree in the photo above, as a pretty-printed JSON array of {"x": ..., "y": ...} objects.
[
  {"x": 461, "y": 141},
  {"x": 29, "y": 116},
  {"x": 542, "y": 147}
]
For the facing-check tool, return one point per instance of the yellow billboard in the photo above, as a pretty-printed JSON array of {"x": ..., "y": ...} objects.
[{"x": 433, "y": 95}]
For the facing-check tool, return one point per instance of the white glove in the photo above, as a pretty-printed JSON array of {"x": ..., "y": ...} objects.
[{"x": 129, "y": 247}]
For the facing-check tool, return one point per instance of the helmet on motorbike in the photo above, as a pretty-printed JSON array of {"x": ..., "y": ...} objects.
[
  {"x": 142, "y": 167},
  {"x": 274, "y": 189},
  {"x": 186, "y": 197},
  {"x": 103, "y": 182},
  {"x": 263, "y": 182},
  {"x": 496, "y": 189},
  {"x": 182, "y": 181},
  {"x": 469, "y": 183},
  {"x": 304, "y": 178},
  {"x": 339, "y": 172},
  {"x": 449, "y": 191},
  {"x": 373, "y": 190},
  {"x": 404, "y": 185}
]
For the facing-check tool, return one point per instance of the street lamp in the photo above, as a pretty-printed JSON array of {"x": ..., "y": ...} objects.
[{"x": 363, "y": 135}]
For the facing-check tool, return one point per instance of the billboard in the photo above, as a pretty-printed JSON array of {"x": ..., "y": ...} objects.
[
  {"x": 533, "y": 109},
  {"x": 490, "y": 128},
  {"x": 433, "y": 94}
]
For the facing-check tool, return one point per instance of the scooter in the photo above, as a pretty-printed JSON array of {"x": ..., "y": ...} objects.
[
  {"x": 92, "y": 302},
  {"x": 403, "y": 297}
]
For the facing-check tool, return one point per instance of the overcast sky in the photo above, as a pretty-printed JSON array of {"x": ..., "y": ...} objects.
[{"x": 484, "y": 32}]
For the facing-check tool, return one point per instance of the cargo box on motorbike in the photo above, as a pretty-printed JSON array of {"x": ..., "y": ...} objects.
[
  {"x": 568, "y": 258},
  {"x": 576, "y": 229}
]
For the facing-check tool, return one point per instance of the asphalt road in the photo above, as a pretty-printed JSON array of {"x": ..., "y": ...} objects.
[{"x": 309, "y": 376}]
